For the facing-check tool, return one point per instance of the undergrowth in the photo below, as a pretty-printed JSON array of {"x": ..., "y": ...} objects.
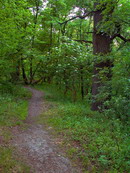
[
  {"x": 13, "y": 110},
  {"x": 13, "y": 104},
  {"x": 8, "y": 164},
  {"x": 101, "y": 143}
]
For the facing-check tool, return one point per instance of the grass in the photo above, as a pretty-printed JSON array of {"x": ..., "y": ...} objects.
[
  {"x": 101, "y": 143},
  {"x": 13, "y": 110},
  {"x": 8, "y": 164}
]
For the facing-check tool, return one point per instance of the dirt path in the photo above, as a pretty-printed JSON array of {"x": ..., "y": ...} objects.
[{"x": 34, "y": 144}]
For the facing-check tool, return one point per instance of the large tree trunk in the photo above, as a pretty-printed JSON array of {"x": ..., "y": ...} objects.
[{"x": 101, "y": 46}]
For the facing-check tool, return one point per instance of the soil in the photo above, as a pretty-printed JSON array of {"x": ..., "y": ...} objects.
[{"x": 35, "y": 146}]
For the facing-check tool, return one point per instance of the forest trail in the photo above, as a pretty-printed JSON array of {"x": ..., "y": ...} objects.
[{"x": 34, "y": 145}]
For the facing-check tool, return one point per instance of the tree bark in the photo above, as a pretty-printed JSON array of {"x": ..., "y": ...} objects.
[
  {"x": 101, "y": 46},
  {"x": 23, "y": 72}
]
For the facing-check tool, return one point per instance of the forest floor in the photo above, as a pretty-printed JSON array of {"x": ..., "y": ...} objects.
[
  {"x": 46, "y": 132},
  {"x": 35, "y": 145}
]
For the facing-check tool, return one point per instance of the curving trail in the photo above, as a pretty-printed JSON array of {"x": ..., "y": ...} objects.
[{"x": 34, "y": 144}]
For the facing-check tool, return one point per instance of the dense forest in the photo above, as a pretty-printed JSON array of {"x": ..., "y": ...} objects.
[{"x": 77, "y": 52}]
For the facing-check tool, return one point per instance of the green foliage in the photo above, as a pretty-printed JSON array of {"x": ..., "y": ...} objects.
[
  {"x": 116, "y": 16},
  {"x": 117, "y": 88},
  {"x": 13, "y": 104},
  {"x": 36, "y": 47},
  {"x": 101, "y": 143},
  {"x": 14, "y": 17},
  {"x": 69, "y": 66}
]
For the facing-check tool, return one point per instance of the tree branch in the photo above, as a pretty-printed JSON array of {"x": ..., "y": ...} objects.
[
  {"x": 121, "y": 37},
  {"x": 89, "y": 32},
  {"x": 37, "y": 81},
  {"x": 75, "y": 17},
  {"x": 84, "y": 41}
]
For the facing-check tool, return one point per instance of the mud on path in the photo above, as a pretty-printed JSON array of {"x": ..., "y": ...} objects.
[{"x": 35, "y": 146}]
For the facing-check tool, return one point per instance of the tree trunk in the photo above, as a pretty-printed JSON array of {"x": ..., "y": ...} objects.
[
  {"x": 33, "y": 38},
  {"x": 101, "y": 46},
  {"x": 23, "y": 72},
  {"x": 82, "y": 82},
  {"x": 31, "y": 70},
  {"x": 51, "y": 34},
  {"x": 16, "y": 75}
]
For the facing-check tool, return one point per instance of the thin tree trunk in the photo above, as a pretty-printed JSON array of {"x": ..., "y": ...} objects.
[
  {"x": 33, "y": 38},
  {"x": 31, "y": 70},
  {"x": 59, "y": 33},
  {"x": 80, "y": 29},
  {"x": 82, "y": 82},
  {"x": 15, "y": 75},
  {"x": 74, "y": 90},
  {"x": 51, "y": 36},
  {"x": 23, "y": 72}
]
